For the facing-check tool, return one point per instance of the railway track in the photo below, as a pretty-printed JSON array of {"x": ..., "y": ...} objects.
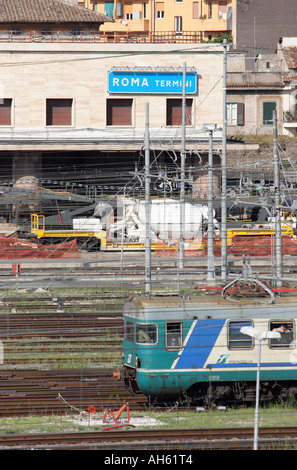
[
  {"x": 102, "y": 269},
  {"x": 40, "y": 323},
  {"x": 86, "y": 339},
  {"x": 157, "y": 439},
  {"x": 48, "y": 392}
]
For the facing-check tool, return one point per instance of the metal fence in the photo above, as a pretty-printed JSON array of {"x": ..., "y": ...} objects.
[{"x": 102, "y": 37}]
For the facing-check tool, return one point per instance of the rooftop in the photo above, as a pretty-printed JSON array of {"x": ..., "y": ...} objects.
[
  {"x": 47, "y": 11},
  {"x": 290, "y": 54}
]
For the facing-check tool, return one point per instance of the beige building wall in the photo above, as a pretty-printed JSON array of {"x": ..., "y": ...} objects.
[{"x": 33, "y": 73}]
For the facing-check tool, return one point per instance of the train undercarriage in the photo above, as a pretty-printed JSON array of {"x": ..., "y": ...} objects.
[
  {"x": 243, "y": 392},
  {"x": 224, "y": 393}
]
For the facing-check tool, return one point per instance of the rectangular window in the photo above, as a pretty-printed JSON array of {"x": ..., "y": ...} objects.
[
  {"x": 128, "y": 11},
  {"x": 174, "y": 112},
  {"x": 178, "y": 24},
  {"x": 268, "y": 109},
  {"x": 160, "y": 10},
  {"x": 120, "y": 10},
  {"x": 196, "y": 10},
  {"x": 5, "y": 111},
  {"x": 119, "y": 112},
  {"x": 286, "y": 330},
  {"x": 209, "y": 9},
  {"x": 223, "y": 10},
  {"x": 130, "y": 331},
  {"x": 144, "y": 10},
  {"x": 108, "y": 9},
  {"x": 236, "y": 339},
  {"x": 235, "y": 114},
  {"x": 59, "y": 112},
  {"x": 173, "y": 335},
  {"x": 146, "y": 333}
]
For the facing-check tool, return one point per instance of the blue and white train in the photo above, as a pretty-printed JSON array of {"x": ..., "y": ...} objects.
[{"x": 193, "y": 347}]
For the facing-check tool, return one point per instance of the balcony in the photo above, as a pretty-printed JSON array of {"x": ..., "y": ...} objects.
[
  {"x": 290, "y": 122},
  {"x": 167, "y": 37},
  {"x": 134, "y": 36}
]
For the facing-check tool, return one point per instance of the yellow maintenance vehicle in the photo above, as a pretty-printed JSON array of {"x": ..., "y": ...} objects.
[
  {"x": 257, "y": 230},
  {"x": 86, "y": 238}
]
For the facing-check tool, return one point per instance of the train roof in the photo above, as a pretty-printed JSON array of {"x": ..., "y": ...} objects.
[{"x": 177, "y": 307}]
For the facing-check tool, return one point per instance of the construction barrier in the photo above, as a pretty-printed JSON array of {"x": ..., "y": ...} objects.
[
  {"x": 255, "y": 245},
  {"x": 15, "y": 248}
]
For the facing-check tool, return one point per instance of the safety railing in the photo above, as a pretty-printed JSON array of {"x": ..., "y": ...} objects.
[{"x": 102, "y": 36}]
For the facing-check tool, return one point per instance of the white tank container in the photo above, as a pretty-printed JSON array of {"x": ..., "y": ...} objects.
[{"x": 166, "y": 218}]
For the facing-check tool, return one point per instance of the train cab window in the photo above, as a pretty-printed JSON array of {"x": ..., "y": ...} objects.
[
  {"x": 146, "y": 333},
  {"x": 173, "y": 335},
  {"x": 130, "y": 331},
  {"x": 236, "y": 339},
  {"x": 286, "y": 329}
]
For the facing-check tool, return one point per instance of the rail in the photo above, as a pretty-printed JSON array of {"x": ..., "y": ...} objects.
[
  {"x": 168, "y": 439},
  {"x": 101, "y": 37}
]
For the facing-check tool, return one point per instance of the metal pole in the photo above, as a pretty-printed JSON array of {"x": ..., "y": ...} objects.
[
  {"x": 224, "y": 174},
  {"x": 278, "y": 233},
  {"x": 210, "y": 252},
  {"x": 147, "y": 205},
  {"x": 182, "y": 174},
  {"x": 256, "y": 428}
]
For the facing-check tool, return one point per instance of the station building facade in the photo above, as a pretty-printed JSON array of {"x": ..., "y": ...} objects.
[{"x": 82, "y": 105}]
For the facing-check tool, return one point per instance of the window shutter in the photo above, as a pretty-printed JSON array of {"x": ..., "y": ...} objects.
[
  {"x": 59, "y": 112},
  {"x": 120, "y": 9},
  {"x": 5, "y": 112},
  {"x": 240, "y": 114},
  {"x": 119, "y": 112},
  {"x": 268, "y": 109},
  {"x": 174, "y": 112},
  {"x": 108, "y": 9}
]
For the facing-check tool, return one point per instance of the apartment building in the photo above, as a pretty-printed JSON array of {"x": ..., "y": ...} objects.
[
  {"x": 196, "y": 21},
  {"x": 253, "y": 95}
]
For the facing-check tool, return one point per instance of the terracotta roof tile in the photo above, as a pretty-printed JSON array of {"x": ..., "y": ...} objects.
[
  {"x": 289, "y": 78},
  {"x": 290, "y": 54},
  {"x": 47, "y": 11},
  {"x": 255, "y": 85}
]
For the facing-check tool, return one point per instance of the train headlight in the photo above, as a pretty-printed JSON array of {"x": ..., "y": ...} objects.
[{"x": 136, "y": 361}]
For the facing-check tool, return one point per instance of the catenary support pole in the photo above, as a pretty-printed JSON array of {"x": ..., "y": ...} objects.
[
  {"x": 210, "y": 251},
  {"x": 147, "y": 205},
  {"x": 224, "y": 173},
  {"x": 277, "y": 209},
  {"x": 182, "y": 173}
]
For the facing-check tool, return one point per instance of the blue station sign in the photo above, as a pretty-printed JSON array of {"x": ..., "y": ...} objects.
[{"x": 152, "y": 82}]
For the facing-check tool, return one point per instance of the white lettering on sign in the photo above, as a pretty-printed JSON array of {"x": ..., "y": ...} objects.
[{"x": 131, "y": 82}]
